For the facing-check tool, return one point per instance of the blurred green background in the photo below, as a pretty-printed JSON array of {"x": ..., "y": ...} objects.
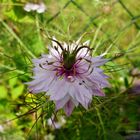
[{"x": 113, "y": 26}]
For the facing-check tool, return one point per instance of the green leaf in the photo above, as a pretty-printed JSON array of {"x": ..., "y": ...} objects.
[
  {"x": 17, "y": 91},
  {"x": 11, "y": 14},
  {"x": 126, "y": 82},
  {"x": 3, "y": 92},
  {"x": 13, "y": 82},
  {"x": 114, "y": 136}
]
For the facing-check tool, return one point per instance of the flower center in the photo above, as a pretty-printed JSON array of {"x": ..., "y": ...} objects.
[{"x": 68, "y": 60}]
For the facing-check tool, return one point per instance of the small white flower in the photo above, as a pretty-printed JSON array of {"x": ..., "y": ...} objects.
[
  {"x": 1, "y": 129},
  {"x": 41, "y": 8},
  {"x": 56, "y": 124},
  {"x": 49, "y": 137},
  {"x": 38, "y": 7}
]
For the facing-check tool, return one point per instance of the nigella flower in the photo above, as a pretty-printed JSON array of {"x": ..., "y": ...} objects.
[
  {"x": 69, "y": 75},
  {"x": 38, "y": 7}
]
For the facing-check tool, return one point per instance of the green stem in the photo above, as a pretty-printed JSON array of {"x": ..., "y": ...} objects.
[
  {"x": 101, "y": 122},
  {"x": 18, "y": 39},
  {"x": 12, "y": 69}
]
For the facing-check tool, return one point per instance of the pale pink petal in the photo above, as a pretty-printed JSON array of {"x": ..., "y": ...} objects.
[
  {"x": 68, "y": 108},
  {"x": 61, "y": 103},
  {"x": 97, "y": 92},
  {"x": 98, "y": 61},
  {"x": 59, "y": 90}
]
